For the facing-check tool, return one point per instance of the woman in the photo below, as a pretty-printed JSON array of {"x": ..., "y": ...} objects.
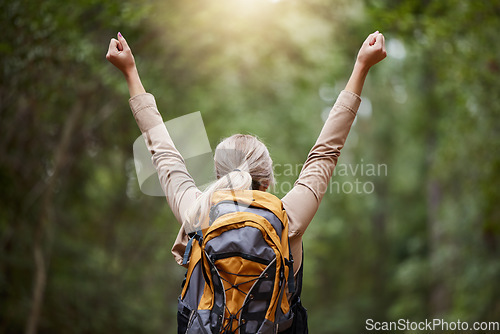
[{"x": 242, "y": 161}]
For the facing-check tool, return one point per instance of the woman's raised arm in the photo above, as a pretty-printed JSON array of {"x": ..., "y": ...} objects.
[
  {"x": 175, "y": 180},
  {"x": 303, "y": 200}
]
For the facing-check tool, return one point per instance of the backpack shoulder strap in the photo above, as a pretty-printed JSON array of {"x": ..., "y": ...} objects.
[{"x": 193, "y": 253}]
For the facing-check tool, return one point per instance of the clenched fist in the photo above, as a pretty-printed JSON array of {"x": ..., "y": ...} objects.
[
  {"x": 120, "y": 55},
  {"x": 372, "y": 51}
]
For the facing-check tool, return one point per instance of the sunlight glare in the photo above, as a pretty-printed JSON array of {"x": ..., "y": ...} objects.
[{"x": 253, "y": 3}]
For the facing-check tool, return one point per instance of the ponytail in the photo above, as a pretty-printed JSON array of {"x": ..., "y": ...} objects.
[{"x": 242, "y": 162}]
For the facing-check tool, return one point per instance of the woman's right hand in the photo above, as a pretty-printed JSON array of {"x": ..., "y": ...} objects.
[
  {"x": 372, "y": 51},
  {"x": 120, "y": 55}
]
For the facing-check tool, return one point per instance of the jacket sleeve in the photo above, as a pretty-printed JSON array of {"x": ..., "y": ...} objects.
[
  {"x": 178, "y": 186},
  {"x": 303, "y": 200}
]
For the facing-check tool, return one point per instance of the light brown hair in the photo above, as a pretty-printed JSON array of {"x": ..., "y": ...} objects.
[{"x": 242, "y": 162}]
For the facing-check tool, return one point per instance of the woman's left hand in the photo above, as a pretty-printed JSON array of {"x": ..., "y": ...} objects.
[{"x": 120, "y": 55}]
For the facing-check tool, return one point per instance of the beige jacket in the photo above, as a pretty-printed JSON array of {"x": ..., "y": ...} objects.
[{"x": 300, "y": 203}]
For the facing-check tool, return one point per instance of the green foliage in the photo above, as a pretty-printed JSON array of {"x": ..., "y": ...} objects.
[{"x": 421, "y": 242}]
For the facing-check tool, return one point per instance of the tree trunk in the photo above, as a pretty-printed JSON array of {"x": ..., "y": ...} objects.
[
  {"x": 439, "y": 295},
  {"x": 41, "y": 248}
]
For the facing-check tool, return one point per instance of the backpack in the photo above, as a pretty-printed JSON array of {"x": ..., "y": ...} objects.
[{"x": 240, "y": 269}]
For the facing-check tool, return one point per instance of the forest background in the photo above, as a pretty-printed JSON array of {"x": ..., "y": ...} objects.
[{"x": 83, "y": 250}]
